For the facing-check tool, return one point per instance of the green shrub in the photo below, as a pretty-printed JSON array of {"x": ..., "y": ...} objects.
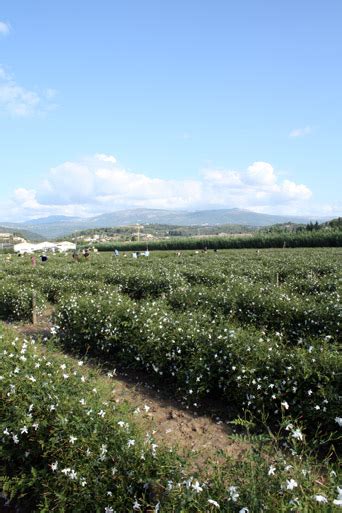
[{"x": 16, "y": 301}]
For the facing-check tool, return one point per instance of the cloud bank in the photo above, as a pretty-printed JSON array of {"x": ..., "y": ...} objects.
[{"x": 99, "y": 184}]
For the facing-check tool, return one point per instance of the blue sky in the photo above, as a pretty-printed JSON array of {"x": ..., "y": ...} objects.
[{"x": 184, "y": 104}]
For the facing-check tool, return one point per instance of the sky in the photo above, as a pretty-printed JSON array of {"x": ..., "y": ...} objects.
[{"x": 176, "y": 104}]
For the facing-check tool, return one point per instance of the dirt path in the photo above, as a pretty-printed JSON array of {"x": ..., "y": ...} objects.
[{"x": 202, "y": 434}]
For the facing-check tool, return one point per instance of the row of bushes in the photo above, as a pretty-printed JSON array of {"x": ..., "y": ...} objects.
[
  {"x": 67, "y": 446},
  {"x": 17, "y": 300},
  {"x": 266, "y": 307},
  {"x": 207, "y": 357},
  {"x": 66, "y": 449}
]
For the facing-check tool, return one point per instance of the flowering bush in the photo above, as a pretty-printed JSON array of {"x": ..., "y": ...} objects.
[
  {"x": 16, "y": 301},
  {"x": 66, "y": 445},
  {"x": 251, "y": 370}
]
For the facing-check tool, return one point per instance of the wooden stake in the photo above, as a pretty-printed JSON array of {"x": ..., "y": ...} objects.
[{"x": 34, "y": 305}]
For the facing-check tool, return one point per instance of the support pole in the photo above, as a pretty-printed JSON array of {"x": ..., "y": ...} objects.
[{"x": 34, "y": 307}]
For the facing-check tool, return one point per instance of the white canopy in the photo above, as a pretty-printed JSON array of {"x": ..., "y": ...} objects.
[
  {"x": 44, "y": 246},
  {"x": 27, "y": 247},
  {"x": 66, "y": 246}
]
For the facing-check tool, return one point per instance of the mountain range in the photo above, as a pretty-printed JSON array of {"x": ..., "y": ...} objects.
[{"x": 57, "y": 226}]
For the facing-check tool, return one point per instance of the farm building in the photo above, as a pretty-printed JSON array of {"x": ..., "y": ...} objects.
[{"x": 27, "y": 247}]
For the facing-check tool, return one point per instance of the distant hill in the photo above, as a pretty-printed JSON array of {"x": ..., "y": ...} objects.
[
  {"x": 53, "y": 220},
  {"x": 57, "y": 226},
  {"x": 25, "y": 234},
  {"x": 150, "y": 231}
]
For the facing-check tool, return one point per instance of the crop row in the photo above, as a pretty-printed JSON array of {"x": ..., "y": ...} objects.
[
  {"x": 205, "y": 357},
  {"x": 268, "y": 292},
  {"x": 67, "y": 445}
]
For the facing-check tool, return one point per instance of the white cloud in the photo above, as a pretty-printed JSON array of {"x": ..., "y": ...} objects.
[
  {"x": 99, "y": 184},
  {"x": 261, "y": 173},
  {"x": 5, "y": 28},
  {"x": 105, "y": 158},
  {"x": 21, "y": 102},
  {"x": 301, "y": 132}
]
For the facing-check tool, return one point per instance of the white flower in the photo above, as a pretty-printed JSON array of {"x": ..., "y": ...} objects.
[
  {"x": 130, "y": 442},
  {"x": 73, "y": 474},
  {"x": 6, "y": 432},
  {"x": 321, "y": 498},
  {"x": 338, "y": 420},
  {"x": 24, "y": 430},
  {"x": 72, "y": 439},
  {"x": 338, "y": 501},
  {"x": 196, "y": 486},
  {"x": 101, "y": 413},
  {"x": 233, "y": 493},
  {"x": 271, "y": 470},
  {"x": 108, "y": 509},
  {"x": 291, "y": 484},
  {"x": 286, "y": 405},
  {"x": 103, "y": 449},
  {"x": 214, "y": 503},
  {"x": 54, "y": 466},
  {"x": 15, "y": 439},
  {"x": 83, "y": 482},
  {"x": 296, "y": 433},
  {"x": 136, "y": 506}
]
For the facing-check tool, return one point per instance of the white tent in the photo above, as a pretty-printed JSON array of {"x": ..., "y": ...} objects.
[
  {"x": 45, "y": 246},
  {"x": 65, "y": 246}
]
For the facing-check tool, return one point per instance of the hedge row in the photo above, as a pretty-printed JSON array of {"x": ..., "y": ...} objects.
[
  {"x": 330, "y": 238},
  {"x": 206, "y": 357}
]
